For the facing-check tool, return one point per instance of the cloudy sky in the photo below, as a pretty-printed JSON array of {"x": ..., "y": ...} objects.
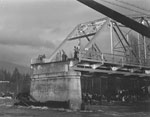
[{"x": 32, "y": 27}]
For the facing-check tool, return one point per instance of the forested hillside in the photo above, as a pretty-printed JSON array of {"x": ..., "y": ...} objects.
[
  {"x": 11, "y": 66},
  {"x": 13, "y": 83}
]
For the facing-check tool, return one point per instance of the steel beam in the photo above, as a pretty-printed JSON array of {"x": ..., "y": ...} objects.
[
  {"x": 82, "y": 36},
  {"x": 61, "y": 45},
  {"x": 100, "y": 30},
  {"x": 119, "y": 38},
  {"x": 110, "y": 72},
  {"x": 140, "y": 28}
]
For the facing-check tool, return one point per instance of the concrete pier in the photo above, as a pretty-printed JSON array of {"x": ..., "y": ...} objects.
[{"x": 56, "y": 82}]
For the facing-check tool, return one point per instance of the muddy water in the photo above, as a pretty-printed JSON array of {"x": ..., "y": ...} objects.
[{"x": 97, "y": 111}]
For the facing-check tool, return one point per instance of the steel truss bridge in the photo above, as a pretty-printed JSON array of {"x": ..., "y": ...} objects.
[{"x": 116, "y": 44}]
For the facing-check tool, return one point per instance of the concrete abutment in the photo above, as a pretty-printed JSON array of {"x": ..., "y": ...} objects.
[{"x": 57, "y": 83}]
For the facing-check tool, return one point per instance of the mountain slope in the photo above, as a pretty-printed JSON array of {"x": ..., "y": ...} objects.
[{"x": 11, "y": 66}]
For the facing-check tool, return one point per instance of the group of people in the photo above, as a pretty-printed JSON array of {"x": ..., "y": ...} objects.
[
  {"x": 41, "y": 57},
  {"x": 125, "y": 96},
  {"x": 92, "y": 99},
  {"x": 132, "y": 95},
  {"x": 61, "y": 56},
  {"x": 128, "y": 96}
]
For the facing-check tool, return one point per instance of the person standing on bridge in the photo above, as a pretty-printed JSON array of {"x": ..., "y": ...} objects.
[
  {"x": 64, "y": 56},
  {"x": 76, "y": 52}
]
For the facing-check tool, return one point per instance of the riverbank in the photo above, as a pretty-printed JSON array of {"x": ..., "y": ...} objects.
[{"x": 98, "y": 111}]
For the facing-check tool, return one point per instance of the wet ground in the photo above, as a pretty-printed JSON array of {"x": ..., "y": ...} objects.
[{"x": 97, "y": 111}]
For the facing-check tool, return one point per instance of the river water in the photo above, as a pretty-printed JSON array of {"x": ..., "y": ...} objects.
[{"x": 97, "y": 111}]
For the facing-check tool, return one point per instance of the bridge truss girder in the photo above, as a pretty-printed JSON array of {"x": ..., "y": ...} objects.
[{"x": 126, "y": 56}]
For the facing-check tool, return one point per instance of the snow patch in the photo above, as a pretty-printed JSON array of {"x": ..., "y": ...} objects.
[
  {"x": 39, "y": 107},
  {"x": 6, "y": 98}
]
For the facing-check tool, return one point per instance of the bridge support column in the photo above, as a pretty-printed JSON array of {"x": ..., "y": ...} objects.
[{"x": 75, "y": 98}]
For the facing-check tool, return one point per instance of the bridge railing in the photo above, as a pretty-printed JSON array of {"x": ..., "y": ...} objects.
[
  {"x": 37, "y": 60},
  {"x": 112, "y": 58},
  {"x": 90, "y": 55}
]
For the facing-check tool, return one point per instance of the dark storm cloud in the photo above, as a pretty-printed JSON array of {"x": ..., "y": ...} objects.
[
  {"x": 24, "y": 38},
  {"x": 36, "y": 24},
  {"x": 26, "y": 42}
]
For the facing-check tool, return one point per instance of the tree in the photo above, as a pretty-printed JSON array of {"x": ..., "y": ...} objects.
[
  {"x": 18, "y": 83},
  {"x": 15, "y": 80}
]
